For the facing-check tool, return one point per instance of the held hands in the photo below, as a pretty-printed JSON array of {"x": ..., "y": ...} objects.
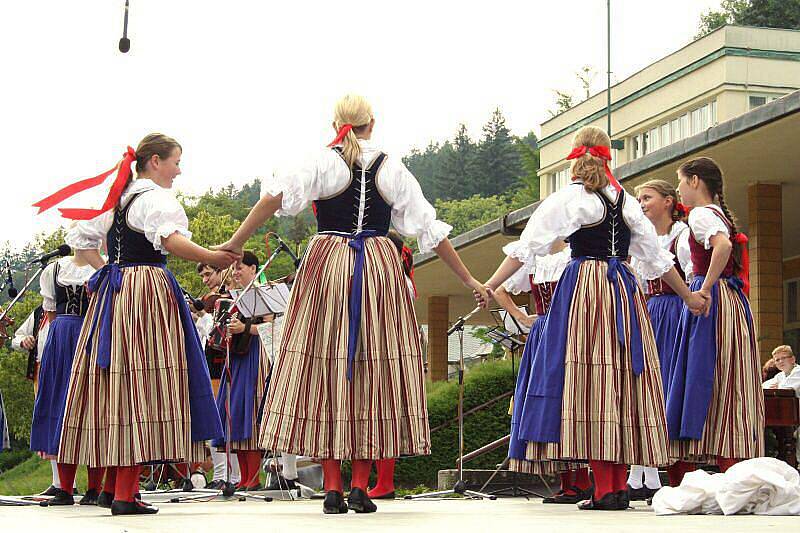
[
  {"x": 28, "y": 343},
  {"x": 480, "y": 292},
  {"x": 223, "y": 258},
  {"x": 699, "y": 303},
  {"x": 229, "y": 246}
]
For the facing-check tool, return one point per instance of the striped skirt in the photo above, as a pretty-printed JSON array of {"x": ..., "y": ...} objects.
[
  {"x": 716, "y": 355},
  {"x": 137, "y": 410},
  {"x": 608, "y": 413},
  {"x": 248, "y": 378},
  {"x": 312, "y": 409}
]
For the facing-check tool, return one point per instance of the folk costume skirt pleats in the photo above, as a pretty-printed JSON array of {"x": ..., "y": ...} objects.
[
  {"x": 54, "y": 373},
  {"x": 312, "y": 408},
  {"x": 715, "y": 404},
  {"x": 145, "y": 395},
  {"x": 585, "y": 400}
]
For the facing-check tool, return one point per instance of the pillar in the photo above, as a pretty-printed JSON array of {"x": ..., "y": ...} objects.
[
  {"x": 438, "y": 321},
  {"x": 766, "y": 264}
]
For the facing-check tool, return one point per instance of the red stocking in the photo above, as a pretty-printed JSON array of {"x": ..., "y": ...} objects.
[
  {"x": 66, "y": 474},
  {"x": 360, "y": 479},
  {"x": 724, "y": 464},
  {"x": 244, "y": 469},
  {"x": 566, "y": 482},
  {"x": 582, "y": 480},
  {"x": 332, "y": 475},
  {"x": 95, "y": 478},
  {"x": 385, "y": 484},
  {"x": 111, "y": 480},
  {"x": 603, "y": 477},
  {"x": 127, "y": 483},
  {"x": 254, "y": 466}
]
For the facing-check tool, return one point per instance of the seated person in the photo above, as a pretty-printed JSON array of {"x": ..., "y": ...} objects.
[{"x": 789, "y": 375}]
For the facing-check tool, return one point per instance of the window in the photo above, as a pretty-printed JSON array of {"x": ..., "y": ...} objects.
[
  {"x": 756, "y": 101},
  {"x": 655, "y": 141},
  {"x": 713, "y": 112},
  {"x": 646, "y": 143},
  {"x": 675, "y": 130},
  {"x": 697, "y": 126},
  {"x": 666, "y": 140},
  {"x": 684, "y": 120}
]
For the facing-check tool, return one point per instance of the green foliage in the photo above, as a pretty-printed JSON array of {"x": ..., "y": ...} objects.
[
  {"x": 482, "y": 383},
  {"x": 472, "y": 212},
  {"x": 11, "y": 458},
  {"x": 32, "y": 476},
  {"x": 762, "y": 13}
]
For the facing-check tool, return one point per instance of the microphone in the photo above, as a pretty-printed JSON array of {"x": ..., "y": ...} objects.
[
  {"x": 62, "y": 250},
  {"x": 125, "y": 43},
  {"x": 12, "y": 291},
  {"x": 288, "y": 250}
]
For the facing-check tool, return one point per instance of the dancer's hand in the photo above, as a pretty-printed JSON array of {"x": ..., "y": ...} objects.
[
  {"x": 29, "y": 343},
  {"x": 480, "y": 293},
  {"x": 223, "y": 258},
  {"x": 229, "y": 246},
  {"x": 697, "y": 304}
]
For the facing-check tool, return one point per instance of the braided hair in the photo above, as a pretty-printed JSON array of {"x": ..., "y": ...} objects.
[{"x": 707, "y": 170}]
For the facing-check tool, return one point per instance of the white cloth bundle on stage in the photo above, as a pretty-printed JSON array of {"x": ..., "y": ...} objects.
[{"x": 765, "y": 486}]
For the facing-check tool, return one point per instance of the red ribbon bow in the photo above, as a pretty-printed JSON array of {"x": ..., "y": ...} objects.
[
  {"x": 681, "y": 209},
  {"x": 604, "y": 153},
  {"x": 407, "y": 256},
  {"x": 343, "y": 130},
  {"x": 123, "y": 169}
]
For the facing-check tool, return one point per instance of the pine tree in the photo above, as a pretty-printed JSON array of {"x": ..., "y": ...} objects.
[
  {"x": 498, "y": 163},
  {"x": 458, "y": 166}
]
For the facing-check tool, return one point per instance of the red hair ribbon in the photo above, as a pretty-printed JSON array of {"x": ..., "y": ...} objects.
[
  {"x": 407, "y": 256},
  {"x": 681, "y": 209},
  {"x": 343, "y": 130},
  {"x": 742, "y": 240},
  {"x": 123, "y": 169},
  {"x": 604, "y": 153}
]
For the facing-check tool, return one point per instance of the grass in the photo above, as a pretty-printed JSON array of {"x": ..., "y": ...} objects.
[{"x": 32, "y": 477}]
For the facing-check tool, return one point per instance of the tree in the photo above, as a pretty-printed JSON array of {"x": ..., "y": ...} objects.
[
  {"x": 764, "y": 13},
  {"x": 471, "y": 212},
  {"x": 497, "y": 166},
  {"x": 458, "y": 166},
  {"x": 528, "y": 185},
  {"x": 586, "y": 76},
  {"x": 563, "y": 103}
]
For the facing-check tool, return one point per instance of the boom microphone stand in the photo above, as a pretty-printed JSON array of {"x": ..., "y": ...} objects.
[{"x": 460, "y": 486}]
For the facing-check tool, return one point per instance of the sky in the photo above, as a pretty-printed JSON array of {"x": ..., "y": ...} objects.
[{"x": 248, "y": 85}]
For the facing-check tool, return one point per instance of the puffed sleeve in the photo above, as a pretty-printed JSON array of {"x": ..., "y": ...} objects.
[
  {"x": 684, "y": 253},
  {"x": 412, "y": 214},
  {"x": 47, "y": 287},
  {"x": 557, "y": 217},
  {"x": 520, "y": 281},
  {"x": 89, "y": 234},
  {"x": 162, "y": 216},
  {"x": 705, "y": 224},
  {"x": 299, "y": 184},
  {"x": 653, "y": 261}
]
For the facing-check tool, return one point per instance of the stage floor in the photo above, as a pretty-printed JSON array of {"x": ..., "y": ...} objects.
[{"x": 504, "y": 515}]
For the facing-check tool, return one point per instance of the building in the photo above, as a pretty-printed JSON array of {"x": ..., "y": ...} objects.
[{"x": 731, "y": 95}]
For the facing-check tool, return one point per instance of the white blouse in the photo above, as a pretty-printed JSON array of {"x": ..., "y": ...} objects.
[
  {"x": 325, "y": 174},
  {"x": 705, "y": 224},
  {"x": 68, "y": 274},
  {"x": 564, "y": 212},
  {"x": 679, "y": 231},
  {"x": 156, "y": 213},
  {"x": 544, "y": 269}
]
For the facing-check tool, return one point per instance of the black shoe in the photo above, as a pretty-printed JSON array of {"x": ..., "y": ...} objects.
[
  {"x": 105, "y": 499},
  {"x": 62, "y": 497},
  {"x": 637, "y": 495},
  {"x": 563, "y": 497},
  {"x": 281, "y": 483},
  {"x": 387, "y": 496},
  {"x": 50, "y": 491},
  {"x": 649, "y": 493},
  {"x": 135, "y": 507},
  {"x": 334, "y": 503},
  {"x": 623, "y": 500},
  {"x": 359, "y": 502},
  {"x": 90, "y": 498},
  {"x": 609, "y": 502},
  {"x": 216, "y": 485}
]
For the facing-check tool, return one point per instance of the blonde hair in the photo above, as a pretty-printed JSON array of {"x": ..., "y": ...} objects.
[
  {"x": 588, "y": 168},
  {"x": 355, "y": 110},
  {"x": 784, "y": 348},
  {"x": 664, "y": 188}
]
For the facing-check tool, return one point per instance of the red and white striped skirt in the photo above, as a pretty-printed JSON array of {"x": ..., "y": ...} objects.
[
  {"x": 137, "y": 410},
  {"x": 311, "y": 408},
  {"x": 607, "y": 413}
]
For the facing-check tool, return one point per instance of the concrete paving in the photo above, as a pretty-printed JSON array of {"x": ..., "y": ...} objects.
[{"x": 448, "y": 516}]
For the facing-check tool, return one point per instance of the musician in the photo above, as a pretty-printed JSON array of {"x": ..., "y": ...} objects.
[
  {"x": 789, "y": 375},
  {"x": 213, "y": 279},
  {"x": 248, "y": 367}
]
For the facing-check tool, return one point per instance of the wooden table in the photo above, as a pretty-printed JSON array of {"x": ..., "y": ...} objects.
[{"x": 782, "y": 410}]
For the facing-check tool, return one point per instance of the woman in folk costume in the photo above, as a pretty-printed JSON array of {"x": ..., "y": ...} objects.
[
  {"x": 350, "y": 363},
  {"x": 659, "y": 202},
  {"x": 715, "y": 406},
  {"x": 594, "y": 392},
  {"x": 63, "y": 289},
  {"x": 540, "y": 278},
  {"x": 247, "y": 372},
  {"x": 139, "y": 389}
]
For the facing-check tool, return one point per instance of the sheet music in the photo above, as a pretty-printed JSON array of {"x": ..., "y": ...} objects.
[
  {"x": 512, "y": 325},
  {"x": 262, "y": 300}
]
